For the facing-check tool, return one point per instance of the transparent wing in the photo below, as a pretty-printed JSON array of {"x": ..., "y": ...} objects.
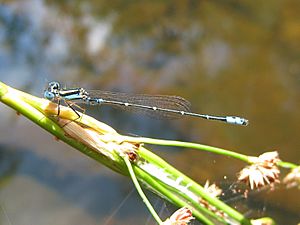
[{"x": 160, "y": 101}]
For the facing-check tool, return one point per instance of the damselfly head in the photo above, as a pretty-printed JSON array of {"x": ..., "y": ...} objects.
[{"x": 52, "y": 90}]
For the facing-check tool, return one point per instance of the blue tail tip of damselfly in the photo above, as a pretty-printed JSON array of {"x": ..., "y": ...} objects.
[{"x": 237, "y": 120}]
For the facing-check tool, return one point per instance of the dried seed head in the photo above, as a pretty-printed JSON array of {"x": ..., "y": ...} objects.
[
  {"x": 263, "y": 171},
  {"x": 181, "y": 217},
  {"x": 213, "y": 189}
]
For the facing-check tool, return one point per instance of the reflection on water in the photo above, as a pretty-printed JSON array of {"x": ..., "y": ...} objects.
[{"x": 225, "y": 57}]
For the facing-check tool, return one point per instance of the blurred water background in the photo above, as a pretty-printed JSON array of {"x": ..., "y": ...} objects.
[{"x": 225, "y": 57}]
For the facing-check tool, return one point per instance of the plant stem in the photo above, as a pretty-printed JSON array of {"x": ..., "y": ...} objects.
[
  {"x": 188, "y": 145},
  {"x": 140, "y": 191},
  {"x": 15, "y": 99}
]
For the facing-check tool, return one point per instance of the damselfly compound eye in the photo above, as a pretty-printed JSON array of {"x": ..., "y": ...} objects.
[{"x": 49, "y": 95}]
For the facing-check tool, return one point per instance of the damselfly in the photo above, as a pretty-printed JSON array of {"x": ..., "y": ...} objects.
[{"x": 161, "y": 106}]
